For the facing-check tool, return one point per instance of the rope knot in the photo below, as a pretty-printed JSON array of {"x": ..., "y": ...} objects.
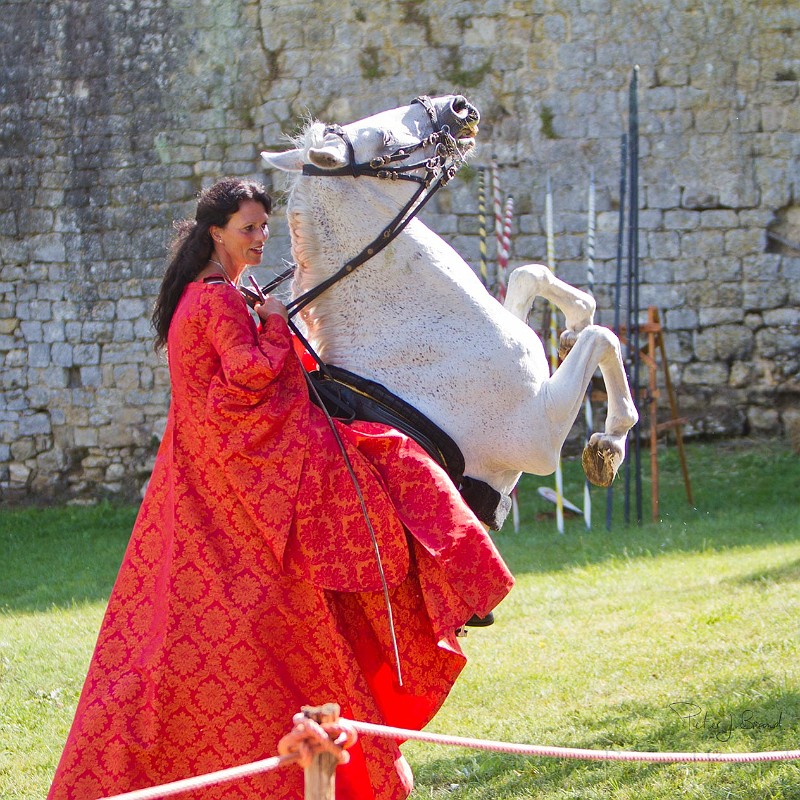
[{"x": 319, "y": 730}]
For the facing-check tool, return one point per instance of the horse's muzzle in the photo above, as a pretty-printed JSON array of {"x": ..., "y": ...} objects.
[{"x": 461, "y": 117}]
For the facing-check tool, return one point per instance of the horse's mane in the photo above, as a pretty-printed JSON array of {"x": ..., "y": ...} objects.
[{"x": 305, "y": 245}]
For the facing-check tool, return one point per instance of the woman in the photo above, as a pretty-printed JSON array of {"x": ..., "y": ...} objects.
[{"x": 250, "y": 586}]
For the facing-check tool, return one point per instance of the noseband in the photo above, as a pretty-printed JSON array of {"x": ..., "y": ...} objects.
[{"x": 439, "y": 169}]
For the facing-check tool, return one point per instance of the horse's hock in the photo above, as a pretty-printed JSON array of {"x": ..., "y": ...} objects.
[{"x": 108, "y": 130}]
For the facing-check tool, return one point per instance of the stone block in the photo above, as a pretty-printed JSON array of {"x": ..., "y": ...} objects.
[
  {"x": 789, "y": 317},
  {"x": 764, "y": 266},
  {"x": 658, "y": 98},
  {"x": 19, "y": 476},
  {"x": 100, "y": 332},
  {"x": 650, "y": 219},
  {"x": 698, "y": 197},
  {"x": 47, "y": 248},
  {"x": 31, "y": 331},
  {"x": 61, "y": 354},
  {"x": 700, "y": 245},
  {"x": 745, "y": 242},
  {"x": 724, "y": 343},
  {"x": 712, "y": 120},
  {"x": 86, "y": 354},
  {"x": 723, "y": 269},
  {"x": 91, "y": 376},
  {"x": 664, "y": 245},
  {"x": 126, "y": 377},
  {"x": 706, "y": 374},
  {"x": 763, "y": 295},
  {"x": 734, "y": 192},
  {"x": 85, "y": 437},
  {"x": 772, "y": 343},
  {"x": 34, "y": 424},
  {"x": 719, "y": 218},
  {"x": 662, "y": 196},
  {"x": 681, "y": 319},
  {"x": 130, "y": 308},
  {"x": 764, "y": 421},
  {"x": 39, "y": 355},
  {"x": 719, "y": 316},
  {"x": 23, "y": 449}
]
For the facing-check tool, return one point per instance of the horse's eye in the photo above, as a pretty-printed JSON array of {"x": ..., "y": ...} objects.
[{"x": 388, "y": 139}]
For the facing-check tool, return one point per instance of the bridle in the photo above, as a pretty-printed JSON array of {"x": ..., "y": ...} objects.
[
  {"x": 382, "y": 166},
  {"x": 437, "y": 171}
]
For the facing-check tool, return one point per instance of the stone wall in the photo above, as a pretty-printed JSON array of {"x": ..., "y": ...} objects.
[{"x": 114, "y": 113}]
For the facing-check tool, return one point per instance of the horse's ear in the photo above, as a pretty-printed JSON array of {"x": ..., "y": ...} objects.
[
  {"x": 326, "y": 157},
  {"x": 288, "y": 161}
]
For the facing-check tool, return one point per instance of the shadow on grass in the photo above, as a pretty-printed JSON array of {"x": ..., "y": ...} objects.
[
  {"x": 740, "y": 718},
  {"x": 61, "y": 556},
  {"x": 745, "y": 496},
  {"x": 785, "y": 573}
]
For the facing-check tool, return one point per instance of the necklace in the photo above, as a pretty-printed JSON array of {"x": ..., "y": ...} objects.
[{"x": 224, "y": 271}]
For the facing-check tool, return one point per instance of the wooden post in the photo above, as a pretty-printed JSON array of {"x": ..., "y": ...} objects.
[
  {"x": 676, "y": 422},
  {"x": 320, "y": 777}
]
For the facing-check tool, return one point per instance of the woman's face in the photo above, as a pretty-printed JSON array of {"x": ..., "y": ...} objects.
[{"x": 242, "y": 239}]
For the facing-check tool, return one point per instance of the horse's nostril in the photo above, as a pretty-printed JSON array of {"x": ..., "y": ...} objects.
[{"x": 459, "y": 104}]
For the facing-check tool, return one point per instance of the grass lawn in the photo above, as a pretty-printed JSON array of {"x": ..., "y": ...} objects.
[{"x": 681, "y": 634}]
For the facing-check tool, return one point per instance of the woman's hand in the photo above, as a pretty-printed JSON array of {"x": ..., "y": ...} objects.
[{"x": 271, "y": 305}]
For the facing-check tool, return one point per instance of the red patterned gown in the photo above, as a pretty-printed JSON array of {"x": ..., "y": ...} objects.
[{"x": 250, "y": 585}]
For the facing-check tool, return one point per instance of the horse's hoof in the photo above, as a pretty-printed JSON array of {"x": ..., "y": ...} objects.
[
  {"x": 480, "y": 622},
  {"x": 600, "y": 463},
  {"x": 566, "y": 342}
]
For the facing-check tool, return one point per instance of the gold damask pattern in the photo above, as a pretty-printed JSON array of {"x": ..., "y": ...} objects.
[{"x": 250, "y": 587}]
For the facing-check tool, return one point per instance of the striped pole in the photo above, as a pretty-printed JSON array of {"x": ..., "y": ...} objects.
[
  {"x": 504, "y": 249},
  {"x": 497, "y": 206},
  {"x": 551, "y": 263},
  {"x": 484, "y": 274},
  {"x": 587, "y": 495},
  {"x": 502, "y": 229},
  {"x": 503, "y": 254}
]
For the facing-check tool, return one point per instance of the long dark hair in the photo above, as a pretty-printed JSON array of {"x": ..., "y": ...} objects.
[{"x": 192, "y": 246}]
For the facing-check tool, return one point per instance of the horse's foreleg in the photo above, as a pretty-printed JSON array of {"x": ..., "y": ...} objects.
[
  {"x": 536, "y": 280},
  {"x": 566, "y": 388}
]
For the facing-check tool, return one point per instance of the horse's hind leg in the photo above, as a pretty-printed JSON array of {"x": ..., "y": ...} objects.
[
  {"x": 584, "y": 347},
  {"x": 596, "y": 346},
  {"x": 536, "y": 280}
]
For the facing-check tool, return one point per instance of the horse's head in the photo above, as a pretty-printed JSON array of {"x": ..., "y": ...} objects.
[
  {"x": 401, "y": 143},
  {"x": 366, "y": 182}
]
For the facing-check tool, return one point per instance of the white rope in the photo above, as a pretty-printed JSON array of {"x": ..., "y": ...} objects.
[
  {"x": 569, "y": 752},
  {"x": 403, "y": 734},
  {"x": 209, "y": 779}
]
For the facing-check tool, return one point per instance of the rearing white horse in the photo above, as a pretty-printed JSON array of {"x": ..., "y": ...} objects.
[{"x": 415, "y": 317}]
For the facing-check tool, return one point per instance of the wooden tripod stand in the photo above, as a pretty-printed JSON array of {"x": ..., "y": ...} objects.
[{"x": 655, "y": 342}]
